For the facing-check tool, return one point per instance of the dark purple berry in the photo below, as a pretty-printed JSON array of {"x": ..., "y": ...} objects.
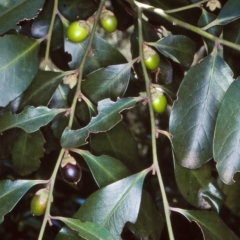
[{"x": 71, "y": 173}]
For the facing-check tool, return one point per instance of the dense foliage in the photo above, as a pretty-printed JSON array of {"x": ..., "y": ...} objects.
[{"x": 127, "y": 133}]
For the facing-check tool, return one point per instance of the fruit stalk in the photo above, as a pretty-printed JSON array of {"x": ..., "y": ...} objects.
[{"x": 153, "y": 129}]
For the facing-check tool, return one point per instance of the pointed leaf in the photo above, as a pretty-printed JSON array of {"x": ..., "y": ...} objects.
[
  {"x": 30, "y": 119},
  {"x": 12, "y": 192},
  {"x": 13, "y": 11},
  {"x": 105, "y": 169},
  {"x": 110, "y": 82},
  {"x": 108, "y": 116},
  {"x": 229, "y": 13},
  {"x": 193, "y": 116},
  {"x": 114, "y": 205},
  {"x": 19, "y": 64},
  {"x": 179, "y": 48},
  {"x": 26, "y": 151},
  {"x": 226, "y": 149},
  {"x": 212, "y": 226},
  {"x": 87, "y": 230},
  {"x": 42, "y": 88}
]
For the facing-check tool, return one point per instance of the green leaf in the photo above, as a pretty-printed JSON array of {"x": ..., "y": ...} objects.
[
  {"x": 206, "y": 18},
  {"x": 108, "y": 116},
  {"x": 30, "y": 119},
  {"x": 227, "y": 135},
  {"x": 113, "y": 141},
  {"x": 26, "y": 151},
  {"x": 42, "y": 88},
  {"x": 194, "y": 113},
  {"x": 77, "y": 9},
  {"x": 110, "y": 82},
  {"x": 198, "y": 187},
  {"x": 12, "y": 11},
  {"x": 102, "y": 54},
  {"x": 212, "y": 226},
  {"x": 87, "y": 230},
  {"x": 114, "y": 205},
  {"x": 12, "y": 192},
  {"x": 233, "y": 195},
  {"x": 230, "y": 12},
  {"x": 105, "y": 169},
  {"x": 19, "y": 64},
  {"x": 180, "y": 49},
  {"x": 150, "y": 222}
]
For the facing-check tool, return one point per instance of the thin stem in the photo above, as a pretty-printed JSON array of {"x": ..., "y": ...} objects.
[
  {"x": 51, "y": 187},
  {"x": 197, "y": 4},
  {"x": 88, "y": 49},
  {"x": 153, "y": 129},
  {"x": 55, "y": 9},
  {"x": 190, "y": 27},
  {"x": 73, "y": 107}
]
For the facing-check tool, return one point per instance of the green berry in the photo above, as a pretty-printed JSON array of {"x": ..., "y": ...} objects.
[
  {"x": 78, "y": 31},
  {"x": 159, "y": 104},
  {"x": 152, "y": 62},
  {"x": 39, "y": 202},
  {"x": 109, "y": 23}
]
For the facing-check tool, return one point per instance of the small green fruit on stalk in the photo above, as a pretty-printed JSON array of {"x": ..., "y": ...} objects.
[{"x": 39, "y": 202}]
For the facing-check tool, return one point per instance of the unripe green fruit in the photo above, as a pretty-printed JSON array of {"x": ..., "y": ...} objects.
[
  {"x": 78, "y": 31},
  {"x": 159, "y": 104},
  {"x": 109, "y": 23},
  {"x": 152, "y": 62},
  {"x": 39, "y": 202}
]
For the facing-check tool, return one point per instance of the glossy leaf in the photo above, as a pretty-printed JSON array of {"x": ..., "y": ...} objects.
[
  {"x": 30, "y": 119},
  {"x": 179, "y": 48},
  {"x": 206, "y": 18},
  {"x": 198, "y": 187},
  {"x": 113, "y": 141},
  {"x": 102, "y": 54},
  {"x": 87, "y": 230},
  {"x": 233, "y": 195},
  {"x": 110, "y": 82},
  {"x": 108, "y": 116},
  {"x": 226, "y": 150},
  {"x": 12, "y": 192},
  {"x": 41, "y": 89},
  {"x": 13, "y": 11},
  {"x": 210, "y": 223},
  {"x": 194, "y": 113},
  {"x": 229, "y": 12},
  {"x": 26, "y": 151},
  {"x": 114, "y": 205},
  {"x": 19, "y": 64},
  {"x": 77, "y": 9},
  {"x": 105, "y": 169}
]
